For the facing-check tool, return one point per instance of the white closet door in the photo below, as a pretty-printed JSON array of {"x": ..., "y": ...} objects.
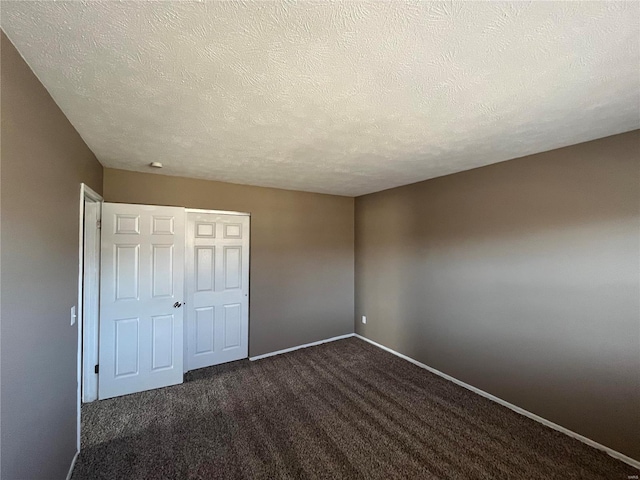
[
  {"x": 217, "y": 286},
  {"x": 141, "y": 295}
]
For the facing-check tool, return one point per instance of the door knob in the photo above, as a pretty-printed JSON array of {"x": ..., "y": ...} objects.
[{"x": 177, "y": 305}]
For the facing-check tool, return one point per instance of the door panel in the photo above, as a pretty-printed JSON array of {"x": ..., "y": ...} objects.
[
  {"x": 233, "y": 230},
  {"x": 127, "y": 346},
  {"x": 127, "y": 224},
  {"x": 162, "y": 341},
  {"x": 162, "y": 271},
  {"x": 142, "y": 277},
  {"x": 127, "y": 272},
  {"x": 205, "y": 230},
  {"x": 232, "y": 267},
  {"x": 217, "y": 288},
  {"x": 162, "y": 225},
  {"x": 232, "y": 325},
  {"x": 205, "y": 269},
  {"x": 205, "y": 327}
]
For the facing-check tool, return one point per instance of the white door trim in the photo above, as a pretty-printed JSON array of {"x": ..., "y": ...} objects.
[
  {"x": 90, "y": 299},
  {"x": 73, "y": 465},
  {"x": 86, "y": 193},
  {"x": 221, "y": 212}
]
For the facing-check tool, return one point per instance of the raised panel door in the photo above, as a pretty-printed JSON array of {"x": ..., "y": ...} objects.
[
  {"x": 141, "y": 295},
  {"x": 217, "y": 289}
]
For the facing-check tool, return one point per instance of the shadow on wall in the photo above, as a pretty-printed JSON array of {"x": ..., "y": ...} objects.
[{"x": 521, "y": 279}]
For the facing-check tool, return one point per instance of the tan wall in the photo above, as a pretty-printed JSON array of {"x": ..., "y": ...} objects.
[
  {"x": 301, "y": 278},
  {"x": 44, "y": 160},
  {"x": 520, "y": 278}
]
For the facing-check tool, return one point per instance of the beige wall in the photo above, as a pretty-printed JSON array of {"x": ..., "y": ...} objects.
[
  {"x": 521, "y": 279},
  {"x": 301, "y": 278},
  {"x": 44, "y": 160}
]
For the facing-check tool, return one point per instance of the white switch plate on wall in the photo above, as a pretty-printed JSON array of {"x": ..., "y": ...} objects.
[
  {"x": 364, "y": 319},
  {"x": 73, "y": 315}
]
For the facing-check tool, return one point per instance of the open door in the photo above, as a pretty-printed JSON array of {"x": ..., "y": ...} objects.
[{"x": 141, "y": 298}]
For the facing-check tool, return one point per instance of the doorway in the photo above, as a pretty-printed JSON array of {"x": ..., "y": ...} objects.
[{"x": 88, "y": 296}]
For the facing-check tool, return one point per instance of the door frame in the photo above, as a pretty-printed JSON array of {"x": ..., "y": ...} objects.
[
  {"x": 186, "y": 312},
  {"x": 91, "y": 290},
  {"x": 220, "y": 212}
]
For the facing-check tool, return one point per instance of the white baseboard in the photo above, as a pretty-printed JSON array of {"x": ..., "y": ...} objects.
[
  {"x": 312, "y": 344},
  {"x": 504, "y": 403},
  {"x": 73, "y": 464}
]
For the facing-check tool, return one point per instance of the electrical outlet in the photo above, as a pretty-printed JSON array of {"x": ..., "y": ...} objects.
[
  {"x": 364, "y": 319},
  {"x": 73, "y": 315}
]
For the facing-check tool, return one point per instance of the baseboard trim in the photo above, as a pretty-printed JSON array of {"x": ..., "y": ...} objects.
[
  {"x": 73, "y": 464},
  {"x": 312, "y": 344},
  {"x": 592, "y": 443}
]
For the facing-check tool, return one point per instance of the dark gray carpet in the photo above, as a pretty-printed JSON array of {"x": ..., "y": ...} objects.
[{"x": 340, "y": 410}]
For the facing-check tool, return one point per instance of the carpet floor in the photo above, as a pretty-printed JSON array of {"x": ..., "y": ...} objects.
[{"x": 344, "y": 409}]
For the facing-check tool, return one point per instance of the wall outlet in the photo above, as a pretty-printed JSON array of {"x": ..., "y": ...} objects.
[
  {"x": 73, "y": 315},
  {"x": 364, "y": 319}
]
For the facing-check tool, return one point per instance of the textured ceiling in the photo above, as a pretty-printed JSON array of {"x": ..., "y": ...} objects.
[{"x": 345, "y": 98}]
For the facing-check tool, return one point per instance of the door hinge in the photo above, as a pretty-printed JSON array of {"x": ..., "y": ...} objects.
[
  {"x": 96, "y": 369},
  {"x": 99, "y": 224}
]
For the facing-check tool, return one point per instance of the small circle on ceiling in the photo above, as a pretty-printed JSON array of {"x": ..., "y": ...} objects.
[{"x": 155, "y": 165}]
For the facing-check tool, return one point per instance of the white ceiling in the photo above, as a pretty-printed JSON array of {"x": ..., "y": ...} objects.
[{"x": 344, "y": 98}]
